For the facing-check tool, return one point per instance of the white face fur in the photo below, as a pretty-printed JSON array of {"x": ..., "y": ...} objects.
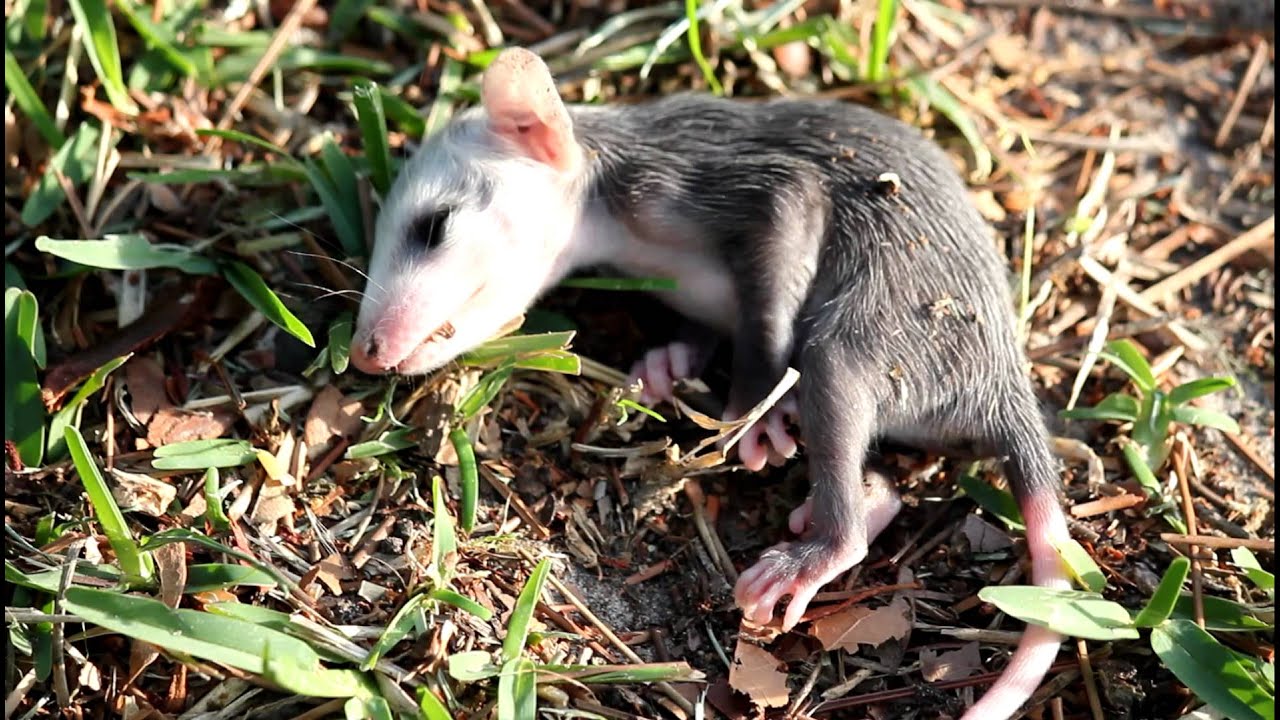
[{"x": 441, "y": 283}]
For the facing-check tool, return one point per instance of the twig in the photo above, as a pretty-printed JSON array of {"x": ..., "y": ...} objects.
[
  {"x": 1252, "y": 239},
  {"x": 283, "y": 33},
  {"x": 1090, "y": 682},
  {"x": 1219, "y": 543},
  {"x": 1242, "y": 93},
  {"x": 1189, "y": 515},
  {"x": 1253, "y": 456},
  {"x": 1103, "y": 276},
  {"x": 693, "y": 491}
]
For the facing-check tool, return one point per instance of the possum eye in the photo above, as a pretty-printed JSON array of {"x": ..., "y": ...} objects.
[{"x": 427, "y": 232}]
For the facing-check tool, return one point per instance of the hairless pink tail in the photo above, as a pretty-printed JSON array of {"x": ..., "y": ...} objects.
[{"x": 1039, "y": 646}]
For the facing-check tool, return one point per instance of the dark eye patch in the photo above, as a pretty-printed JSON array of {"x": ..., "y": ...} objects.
[{"x": 427, "y": 231}]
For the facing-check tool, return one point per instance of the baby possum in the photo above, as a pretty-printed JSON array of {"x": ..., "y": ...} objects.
[{"x": 820, "y": 235}]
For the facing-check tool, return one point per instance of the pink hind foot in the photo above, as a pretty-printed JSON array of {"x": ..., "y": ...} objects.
[
  {"x": 881, "y": 503},
  {"x": 661, "y": 368},
  {"x": 798, "y": 569},
  {"x": 769, "y": 441}
]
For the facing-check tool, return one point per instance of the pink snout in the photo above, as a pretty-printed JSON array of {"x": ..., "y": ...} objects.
[{"x": 368, "y": 357}]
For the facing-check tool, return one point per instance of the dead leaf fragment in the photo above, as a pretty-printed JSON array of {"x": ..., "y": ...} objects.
[
  {"x": 755, "y": 673},
  {"x": 142, "y": 493},
  {"x": 175, "y": 425},
  {"x": 953, "y": 665},
  {"x": 861, "y": 625},
  {"x": 984, "y": 537},
  {"x": 332, "y": 415},
  {"x": 987, "y": 204}
]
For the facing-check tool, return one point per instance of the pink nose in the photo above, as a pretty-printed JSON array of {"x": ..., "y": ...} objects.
[{"x": 366, "y": 358}]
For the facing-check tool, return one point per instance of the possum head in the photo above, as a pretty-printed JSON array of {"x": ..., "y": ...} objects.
[{"x": 478, "y": 224}]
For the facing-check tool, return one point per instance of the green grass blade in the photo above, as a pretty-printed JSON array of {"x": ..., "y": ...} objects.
[
  {"x": 400, "y": 626},
  {"x": 1138, "y": 464},
  {"x": 246, "y": 139},
  {"x": 1081, "y": 566},
  {"x": 28, "y": 327},
  {"x": 155, "y": 37},
  {"x": 69, "y": 414},
  {"x": 485, "y": 390},
  {"x": 350, "y": 233},
  {"x": 373, "y": 126},
  {"x": 998, "y": 502},
  {"x": 881, "y": 40},
  {"x": 208, "y": 577},
  {"x": 469, "y": 482},
  {"x": 1124, "y": 355},
  {"x": 213, "y": 501},
  {"x": 518, "y": 690},
  {"x": 1160, "y": 606},
  {"x": 94, "y": 19},
  {"x": 24, "y": 412},
  {"x": 1189, "y": 391},
  {"x": 430, "y": 707},
  {"x": 251, "y": 285},
  {"x": 1204, "y": 417},
  {"x": 204, "y": 454},
  {"x": 1216, "y": 674},
  {"x": 1248, "y": 562},
  {"x": 446, "y": 97},
  {"x": 462, "y": 602},
  {"x": 444, "y": 545},
  {"x": 390, "y": 442},
  {"x": 695, "y": 47},
  {"x": 1221, "y": 615},
  {"x": 517, "y": 345},
  {"x": 340, "y": 342},
  {"x": 1116, "y": 406},
  {"x": 472, "y": 666},
  {"x": 221, "y": 639},
  {"x": 28, "y": 100},
  {"x": 944, "y": 102},
  {"x": 1070, "y": 612},
  {"x": 405, "y": 116},
  {"x": 137, "y": 566},
  {"x": 75, "y": 160},
  {"x": 518, "y": 625},
  {"x": 127, "y": 252},
  {"x": 368, "y": 708},
  {"x": 346, "y": 13}
]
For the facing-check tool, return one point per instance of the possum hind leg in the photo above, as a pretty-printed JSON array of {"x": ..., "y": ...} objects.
[{"x": 837, "y": 412}]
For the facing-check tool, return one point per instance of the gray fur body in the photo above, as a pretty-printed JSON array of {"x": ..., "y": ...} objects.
[
  {"x": 893, "y": 302},
  {"x": 820, "y": 235}
]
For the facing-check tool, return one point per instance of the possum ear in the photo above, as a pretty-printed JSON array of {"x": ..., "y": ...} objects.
[{"x": 523, "y": 106}]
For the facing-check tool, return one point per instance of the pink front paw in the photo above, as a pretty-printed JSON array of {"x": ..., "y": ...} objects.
[
  {"x": 769, "y": 441},
  {"x": 799, "y": 569},
  {"x": 661, "y": 368}
]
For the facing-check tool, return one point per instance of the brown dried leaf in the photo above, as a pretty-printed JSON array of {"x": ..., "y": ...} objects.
[
  {"x": 332, "y": 415},
  {"x": 755, "y": 673},
  {"x": 174, "y": 425},
  {"x": 273, "y": 505},
  {"x": 144, "y": 379},
  {"x": 953, "y": 665},
  {"x": 142, "y": 493},
  {"x": 332, "y": 571},
  {"x": 860, "y": 625}
]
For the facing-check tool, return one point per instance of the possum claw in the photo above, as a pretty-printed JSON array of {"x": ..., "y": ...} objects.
[
  {"x": 769, "y": 441},
  {"x": 661, "y": 368},
  {"x": 798, "y": 569}
]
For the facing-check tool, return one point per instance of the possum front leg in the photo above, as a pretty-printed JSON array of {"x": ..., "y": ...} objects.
[{"x": 837, "y": 411}]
